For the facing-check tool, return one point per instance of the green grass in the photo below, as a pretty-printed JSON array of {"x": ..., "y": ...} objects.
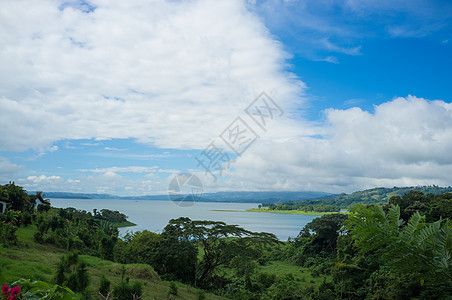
[
  {"x": 290, "y": 212},
  {"x": 36, "y": 261},
  {"x": 281, "y": 268},
  {"x": 31, "y": 260}
]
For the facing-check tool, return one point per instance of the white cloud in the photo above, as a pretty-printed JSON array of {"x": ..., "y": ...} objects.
[
  {"x": 330, "y": 59},
  {"x": 168, "y": 73},
  {"x": 7, "y": 169},
  {"x": 175, "y": 74},
  {"x": 41, "y": 182},
  {"x": 405, "y": 141},
  {"x": 129, "y": 169},
  {"x": 114, "y": 149},
  {"x": 41, "y": 178},
  {"x": 69, "y": 180},
  {"x": 339, "y": 49},
  {"x": 406, "y": 130}
]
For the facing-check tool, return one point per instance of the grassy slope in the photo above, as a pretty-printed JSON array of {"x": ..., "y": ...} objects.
[
  {"x": 280, "y": 269},
  {"x": 38, "y": 262}
]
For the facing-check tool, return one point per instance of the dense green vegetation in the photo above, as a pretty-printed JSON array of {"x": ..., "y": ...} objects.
[
  {"x": 373, "y": 196},
  {"x": 334, "y": 203},
  {"x": 302, "y": 206},
  {"x": 297, "y": 208},
  {"x": 290, "y": 212},
  {"x": 397, "y": 251}
]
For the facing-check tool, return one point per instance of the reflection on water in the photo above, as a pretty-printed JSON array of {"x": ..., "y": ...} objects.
[{"x": 154, "y": 215}]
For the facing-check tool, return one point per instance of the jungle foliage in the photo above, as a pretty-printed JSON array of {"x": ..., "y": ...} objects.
[{"x": 400, "y": 250}]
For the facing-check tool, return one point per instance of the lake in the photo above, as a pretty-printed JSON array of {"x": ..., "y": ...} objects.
[{"x": 154, "y": 215}]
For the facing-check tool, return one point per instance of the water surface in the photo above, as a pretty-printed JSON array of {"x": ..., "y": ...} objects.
[{"x": 154, "y": 215}]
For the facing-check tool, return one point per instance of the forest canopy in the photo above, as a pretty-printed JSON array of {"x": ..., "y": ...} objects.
[{"x": 398, "y": 250}]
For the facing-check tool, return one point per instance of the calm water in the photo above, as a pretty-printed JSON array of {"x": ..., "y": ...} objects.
[{"x": 154, "y": 215}]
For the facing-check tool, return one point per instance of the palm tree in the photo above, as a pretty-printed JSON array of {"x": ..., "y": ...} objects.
[{"x": 40, "y": 196}]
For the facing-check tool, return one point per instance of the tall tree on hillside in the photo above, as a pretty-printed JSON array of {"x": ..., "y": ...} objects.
[
  {"x": 409, "y": 203},
  {"x": 220, "y": 243},
  {"x": 17, "y": 195},
  {"x": 325, "y": 231}
]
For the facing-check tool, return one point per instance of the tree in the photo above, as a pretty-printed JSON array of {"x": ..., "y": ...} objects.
[
  {"x": 440, "y": 206},
  {"x": 17, "y": 195},
  {"x": 408, "y": 203},
  {"x": 325, "y": 229},
  {"x": 219, "y": 242}
]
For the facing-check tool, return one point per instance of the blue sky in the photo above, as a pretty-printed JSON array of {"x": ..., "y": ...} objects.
[{"x": 120, "y": 97}]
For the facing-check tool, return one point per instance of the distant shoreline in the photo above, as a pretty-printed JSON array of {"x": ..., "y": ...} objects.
[
  {"x": 227, "y": 210},
  {"x": 290, "y": 212},
  {"x": 125, "y": 224}
]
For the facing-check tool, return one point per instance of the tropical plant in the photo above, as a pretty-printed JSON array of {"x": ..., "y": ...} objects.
[
  {"x": 415, "y": 247},
  {"x": 127, "y": 291},
  {"x": 17, "y": 195},
  {"x": 34, "y": 290}
]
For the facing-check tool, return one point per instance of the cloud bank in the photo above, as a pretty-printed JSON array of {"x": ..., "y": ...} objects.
[
  {"x": 167, "y": 73},
  {"x": 404, "y": 142},
  {"x": 174, "y": 75}
]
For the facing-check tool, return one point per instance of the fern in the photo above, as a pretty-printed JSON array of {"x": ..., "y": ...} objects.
[
  {"x": 412, "y": 226},
  {"x": 416, "y": 247},
  {"x": 393, "y": 219}
]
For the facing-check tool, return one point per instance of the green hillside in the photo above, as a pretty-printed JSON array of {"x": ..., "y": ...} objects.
[
  {"x": 375, "y": 195},
  {"x": 35, "y": 261}
]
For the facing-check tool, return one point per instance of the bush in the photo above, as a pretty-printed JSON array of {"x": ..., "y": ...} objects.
[
  {"x": 104, "y": 287},
  {"x": 78, "y": 279},
  {"x": 8, "y": 233},
  {"x": 75, "y": 243},
  {"x": 43, "y": 207},
  {"x": 201, "y": 295},
  {"x": 285, "y": 288},
  {"x": 172, "y": 289},
  {"x": 126, "y": 291},
  {"x": 82, "y": 276},
  {"x": 60, "y": 277},
  {"x": 26, "y": 218}
]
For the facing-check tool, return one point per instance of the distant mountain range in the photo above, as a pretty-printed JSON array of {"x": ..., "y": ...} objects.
[
  {"x": 375, "y": 195},
  {"x": 250, "y": 197}
]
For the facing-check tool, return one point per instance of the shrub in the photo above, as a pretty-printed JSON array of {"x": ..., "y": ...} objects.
[
  {"x": 104, "y": 287},
  {"x": 126, "y": 291},
  {"x": 172, "y": 289},
  {"x": 201, "y": 295},
  {"x": 43, "y": 207}
]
